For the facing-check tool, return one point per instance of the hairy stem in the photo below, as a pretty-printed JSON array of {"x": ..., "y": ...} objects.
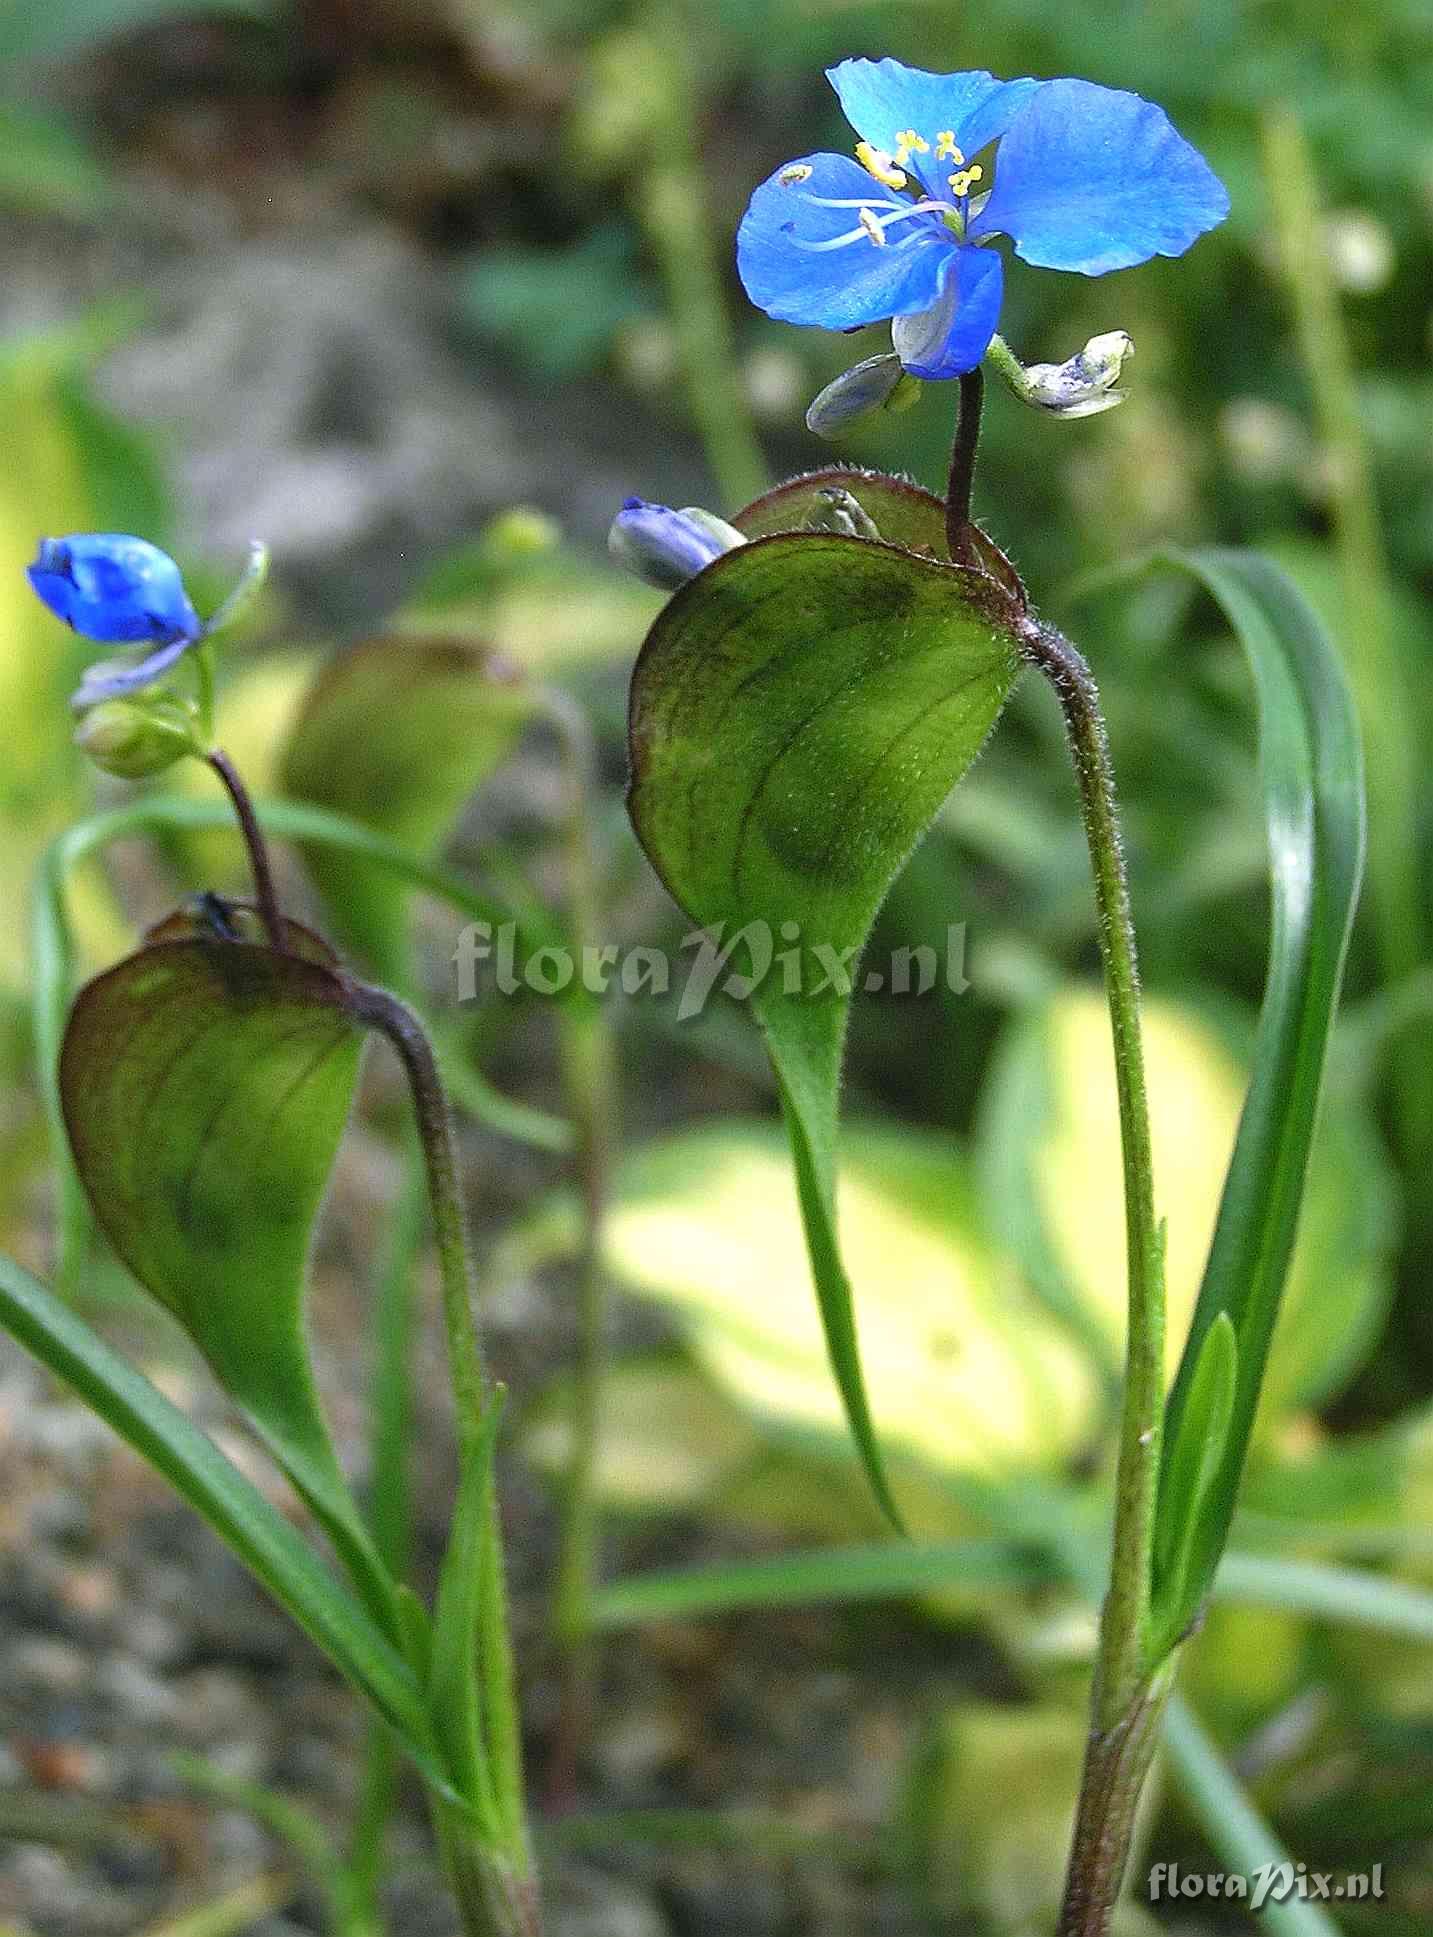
[
  {"x": 391, "y": 1516},
  {"x": 493, "y": 1882},
  {"x": 265, "y": 893},
  {"x": 962, "y": 466},
  {"x": 1117, "y": 1760},
  {"x": 1125, "y": 1701},
  {"x": 395, "y": 1020}
]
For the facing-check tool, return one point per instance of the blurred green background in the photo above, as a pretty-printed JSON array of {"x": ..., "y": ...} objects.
[{"x": 358, "y": 278}]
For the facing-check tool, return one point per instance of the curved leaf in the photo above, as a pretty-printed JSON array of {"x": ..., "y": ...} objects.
[
  {"x": 205, "y": 1083},
  {"x": 396, "y": 733},
  {"x": 799, "y": 712},
  {"x": 902, "y": 512},
  {"x": 1312, "y": 771}
]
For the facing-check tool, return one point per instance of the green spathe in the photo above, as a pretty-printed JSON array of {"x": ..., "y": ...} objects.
[
  {"x": 206, "y": 1083},
  {"x": 799, "y": 712}
]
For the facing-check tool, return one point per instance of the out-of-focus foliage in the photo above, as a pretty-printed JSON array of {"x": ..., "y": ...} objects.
[{"x": 29, "y": 32}]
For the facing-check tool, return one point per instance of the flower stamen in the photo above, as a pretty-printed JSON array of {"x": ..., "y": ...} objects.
[
  {"x": 871, "y": 223},
  {"x": 878, "y": 163},
  {"x": 799, "y": 171},
  {"x": 910, "y": 143},
  {"x": 961, "y": 182},
  {"x": 946, "y": 150}
]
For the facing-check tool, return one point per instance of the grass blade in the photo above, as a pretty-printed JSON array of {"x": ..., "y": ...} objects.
[
  {"x": 1237, "y": 1833},
  {"x": 273, "y": 1551},
  {"x": 878, "y": 1572},
  {"x": 1312, "y": 775}
]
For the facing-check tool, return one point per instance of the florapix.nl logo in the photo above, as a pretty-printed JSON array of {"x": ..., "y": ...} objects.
[{"x": 736, "y": 962}]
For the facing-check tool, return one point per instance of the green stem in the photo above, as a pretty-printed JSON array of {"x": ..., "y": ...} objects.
[
  {"x": 1122, "y": 1664},
  {"x": 588, "y": 1067},
  {"x": 394, "y": 1019},
  {"x": 391, "y": 1516},
  {"x": 672, "y": 198},
  {"x": 494, "y": 1898},
  {"x": 493, "y": 1883},
  {"x": 1127, "y": 1696},
  {"x": 202, "y": 660},
  {"x": 1117, "y": 1761}
]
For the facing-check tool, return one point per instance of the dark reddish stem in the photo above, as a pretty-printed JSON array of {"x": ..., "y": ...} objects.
[
  {"x": 962, "y": 466},
  {"x": 265, "y": 893}
]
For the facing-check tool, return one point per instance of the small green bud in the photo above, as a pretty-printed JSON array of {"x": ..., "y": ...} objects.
[
  {"x": 836, "y": 510},
  {"x": 1082, "y": 386},
  {"x": 876, "y": 383},
  {"x": 133, "y": 739}
]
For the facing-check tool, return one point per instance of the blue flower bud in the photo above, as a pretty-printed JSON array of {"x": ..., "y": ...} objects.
[
  {"x": 668, "y": 547},
  {"x": 112, "y": 587},
  {"x": 1082, "y": 386},
  {"x": 876, "y": 383}
]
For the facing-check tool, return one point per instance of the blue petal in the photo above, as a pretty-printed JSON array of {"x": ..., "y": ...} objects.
[
  {"x": 113, "y": 682},
  {"x": 112, "y": 587},
  {"x": 663, "y": 546},
  {"x": 882, "y": 99},
  {"x": 796, "y": 266},
  {"x": 1093, "y": 179},
  {"x": 951, "y": 336}
]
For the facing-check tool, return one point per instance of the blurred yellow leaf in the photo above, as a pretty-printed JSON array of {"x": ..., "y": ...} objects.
[
  {"x": 1337, "y": 1285},
  {"x": 966, "y": 1372}
]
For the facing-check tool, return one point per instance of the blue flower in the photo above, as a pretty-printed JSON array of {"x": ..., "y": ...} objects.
[
  {"x": 124, "y": 591},
  {"x": 668, "y": 547},
  {"x": 1081, "y": 177}
]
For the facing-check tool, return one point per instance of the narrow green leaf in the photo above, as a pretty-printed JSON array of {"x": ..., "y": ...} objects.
[
  {"x": 1237, "y": 1833},
  {"x": 798, "y": 713},
  {"x": 205, "y": 1085},
  {"x": 396, "y": 733},
  {"x": 885, "y": 1571},
  {"x": 1312, "y": 775},
  {"x": 1316, "y": 1588},
  {"x": 274, "y": 1552},
  {"x": 453, "y": 1678},
  {"x": 1194, "y": 1461}
]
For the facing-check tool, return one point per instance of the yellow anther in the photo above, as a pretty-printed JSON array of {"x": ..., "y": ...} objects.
[
  {"x": 910, "y": 143},
  {"x": 960, "y": 184},
  {"x": 872, "y": 227},
  {"x": 946, "y": 150},
  {"x": 878, "y": 163},
  {"x": 799, "y": 171}
]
